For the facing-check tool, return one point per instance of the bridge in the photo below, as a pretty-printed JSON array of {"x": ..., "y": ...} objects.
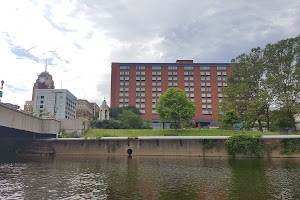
[{"x": 17, "y": 124}]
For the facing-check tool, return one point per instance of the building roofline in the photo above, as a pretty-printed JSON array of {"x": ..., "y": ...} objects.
[{"x": 168, "y": 64}]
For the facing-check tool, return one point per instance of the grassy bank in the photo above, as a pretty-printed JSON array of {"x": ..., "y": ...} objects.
[{"x": 98, "y": 133}]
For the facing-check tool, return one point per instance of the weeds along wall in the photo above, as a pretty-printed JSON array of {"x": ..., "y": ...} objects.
[{"x": 234, "y": 146}]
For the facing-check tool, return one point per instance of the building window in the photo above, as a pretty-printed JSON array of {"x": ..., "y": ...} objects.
[
  {"x": 207, "y": 73},
  {"x": 191, "y": 84},
  {"x": 120, "y": 100},
  {"x": 203, "y": 78},
  {"x": 208, "y": 95},
  {"x": 204, "y": 68},
  {"x": 170, "y": 78},
  {"x": 186, "y": 84},
  {"x": 153, "y": 106},
  {"x": 186, "y": 78},
  {"x": 203, "y": 95},
  {"x": 126, "y": 83},
  {"x": 138, "y": 73},
  {"x": 124, "y": 67},
  {"x": 186, "y": 89},
  {"x": 208, "y": 100},
  {"x": 158, "y": 78},
  {"x": 154, "y": 78},
  {"x": 219, "y": 78},
  {"x": 143, "y": 94},
  {"x": 219, "y": 73},
  {"x": 208, "y": 78},
  {"x": 142, "y": 111},
  {"x": 202, "y": 84},
  {"x": 142, "y": 100},
  {"x": 221, "y": 68},
  {"x": 175, "y": 84},
  {"x": 202, "y": 73},
  {"x": 202, "y": 89},
  {"x": 153, "y": 89},
  {"x": 137, "y": 100},
  {"x": 142, "y": 105},
  {"x": 192, "y": 89},
  {"x": 138, "y": 89},
  {"x": 137, "y": 105},
  {"x": 153, "y": 100},
  {"x": 225, "y": 84},
  {"x": 220, "y": 95},
  {"x": 121, "y": 73},
  {"x": 208, "y": 89},
  {"x": 42, "y": 97},
  {"x": 219, "y": 84},
  {"x": 121, "y": 95},
  {"x": 158, "y": 84},
  {"x": 203, "y": 100},
  {"x": 209, "y": 106},
  {"x": 172, "y": 68},
  {"x": 170, "y": 84},
  {"x": 121, "y": 89},
  {"x": 192, "y": 95},
  {"x": 191, "y": 78},
  {"x": 203, "y": 106},
  {"x": 186, "y": 73},
  {"x": 140, "y": 67},
  {"x": 224, "y": 73},
  {"x": 220, "y": 100},
  {"x": 156, "y": 68},
  {"x": 126, "y": 89},
  {"x": 120, "y": 105},
  {"x": 206, "y": 112},
  {"x": 138, "y": 84},
  {"x": 142, "y": 89},
  {"x": 153, "y": 83},
  {"x": 153, "y": 94},
  {"x": 188, "y": 68},
  {"x": 121, "y": 83},
  {"x": 122, "y": 78},
  {"x": 208, "y": 84}
]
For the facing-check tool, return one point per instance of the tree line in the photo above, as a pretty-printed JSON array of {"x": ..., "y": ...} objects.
[{"x": 264, "y": 87}]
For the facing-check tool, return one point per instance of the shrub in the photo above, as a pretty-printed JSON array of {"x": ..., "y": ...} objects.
[{"x": 247, "y": 144}]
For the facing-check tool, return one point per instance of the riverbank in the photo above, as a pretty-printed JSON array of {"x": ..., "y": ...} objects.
[{"x": 201, "y": 146}]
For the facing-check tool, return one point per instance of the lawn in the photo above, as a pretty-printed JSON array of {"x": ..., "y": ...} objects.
[{"x": 98, "y": 133}]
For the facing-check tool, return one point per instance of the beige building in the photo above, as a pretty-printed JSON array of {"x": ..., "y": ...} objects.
[
  {"x": 96, "y": 108},
  {"x": 84, "y": 109},
  {"x": 104, "y": 111}
]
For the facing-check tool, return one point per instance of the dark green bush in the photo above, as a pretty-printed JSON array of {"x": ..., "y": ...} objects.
[{"x": 247, "y": 144}]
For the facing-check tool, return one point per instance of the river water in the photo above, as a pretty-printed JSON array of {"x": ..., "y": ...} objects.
[{"x": 82, "y": 177}]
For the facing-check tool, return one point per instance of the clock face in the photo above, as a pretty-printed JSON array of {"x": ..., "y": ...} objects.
[{"x": 42, "y": 80}]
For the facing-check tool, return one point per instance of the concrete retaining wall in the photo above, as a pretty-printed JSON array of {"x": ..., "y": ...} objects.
[{"x": 139, "y": 147}]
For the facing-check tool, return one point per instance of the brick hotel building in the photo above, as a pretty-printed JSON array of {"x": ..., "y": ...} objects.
[{"x": 141, "y": 84}]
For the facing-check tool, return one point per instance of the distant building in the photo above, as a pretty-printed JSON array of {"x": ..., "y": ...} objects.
[
  {"x": 96, "y": 108},
  {"x": 84, "y": 109},
  {"x": 104, "y": 111},
  {"x": 28, "y": 107},
  {"x": 56, "y": 103},
  {"x": 141, "y": 84},
  {"x": 44, "y": 81}
]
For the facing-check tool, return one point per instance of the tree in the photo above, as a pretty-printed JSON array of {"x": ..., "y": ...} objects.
[
  {"x": 246, "y": 92},
  {"x": 175, "y": 107},
  {"x": 283, "y": 76},
  {"x": 229, "y": 118},
  {"x": 115, "y": 112},
  {"x": 131, "y": 120},
  {"x": 265, "y": 77}
]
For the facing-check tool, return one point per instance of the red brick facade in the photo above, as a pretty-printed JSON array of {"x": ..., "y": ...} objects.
[{"x": 141, "y": 84}]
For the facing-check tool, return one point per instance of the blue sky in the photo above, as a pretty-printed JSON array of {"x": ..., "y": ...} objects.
[{"x": 82, "y": 38}]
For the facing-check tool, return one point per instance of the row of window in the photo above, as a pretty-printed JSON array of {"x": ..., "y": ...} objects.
[
  {"x": 169, "y": 74},
  {"x": 158, "y": 68},
  {"x": 154, "y": 100}
]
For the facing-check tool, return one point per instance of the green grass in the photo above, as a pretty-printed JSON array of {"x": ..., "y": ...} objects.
[{"x": 98, "y": 133}]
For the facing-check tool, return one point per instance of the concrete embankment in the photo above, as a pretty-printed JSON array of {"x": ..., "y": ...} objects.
[{"x": 210, "y": 146}]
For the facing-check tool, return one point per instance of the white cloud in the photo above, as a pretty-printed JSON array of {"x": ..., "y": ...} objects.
[{"x": 82, "y": 38}]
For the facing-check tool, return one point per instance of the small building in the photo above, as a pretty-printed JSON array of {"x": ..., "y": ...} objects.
[
  {"x": 96, "y": 108},
  {"x": 104, "y": 111},
  {"x": 54, "y": 103}
]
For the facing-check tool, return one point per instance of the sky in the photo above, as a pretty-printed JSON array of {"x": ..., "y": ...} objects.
[{"x": 81, "y": 38}]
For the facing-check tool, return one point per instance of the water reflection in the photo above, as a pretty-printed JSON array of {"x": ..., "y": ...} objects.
[{"x": 148, "y": 178}]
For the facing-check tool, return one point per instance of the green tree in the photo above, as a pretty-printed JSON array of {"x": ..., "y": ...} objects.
[
  {"x": 175, "y": 107},
  {"x": 131, "y": 120},
  {"x": 115, "y": 112},
  {"x": 246, "y": 91},
  {"x": 283, "y": 76},
  {"x": 229, "y": 118}
]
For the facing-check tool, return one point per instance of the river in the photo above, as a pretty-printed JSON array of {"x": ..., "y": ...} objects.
[{"x": 140, "y": 177}]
